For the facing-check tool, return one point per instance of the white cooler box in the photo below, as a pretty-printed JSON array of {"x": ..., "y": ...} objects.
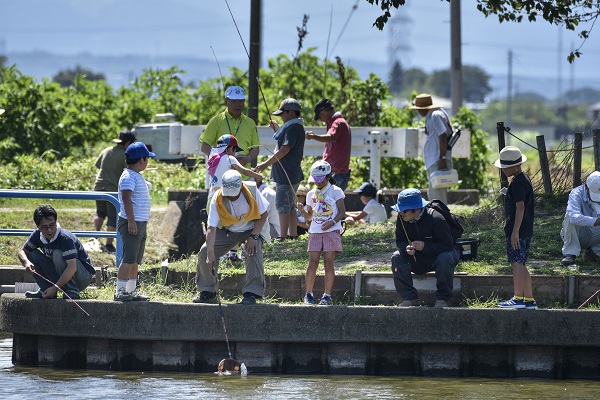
[{"x": 444, "y": 178}]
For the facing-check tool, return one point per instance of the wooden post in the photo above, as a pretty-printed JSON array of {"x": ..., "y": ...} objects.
[
  {"x": 597, "y": 149},
  {"x": 541, "y": 145},
  {"x": 501, "y": 145},
  {"x": 577, "y": 159}
]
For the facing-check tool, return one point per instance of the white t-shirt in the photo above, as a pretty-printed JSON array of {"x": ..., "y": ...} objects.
[
  {"x": 324, "y": 207},
  {"x": 225, "y": 164},
  {"x": 436, "y": 122},
  {"x": 273, "y": 215},
  {"x": 239, "y": 208},
  {"x": 140, "y": 195},
  {"x": 375, "y": 212}
]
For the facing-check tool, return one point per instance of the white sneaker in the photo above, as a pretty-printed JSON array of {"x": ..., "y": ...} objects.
[
  {"x": 138, "y": 297},
  {"x": 122, "y": 295}
]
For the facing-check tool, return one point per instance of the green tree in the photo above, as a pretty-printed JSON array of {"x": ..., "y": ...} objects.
[
  {"x": 414, "y": 79},
  {"x": 476, "y": 84},
  {"x": 66, "y": 77},
  {"x": 48, "y": 121},
  {"x": 569, "y": 13}
]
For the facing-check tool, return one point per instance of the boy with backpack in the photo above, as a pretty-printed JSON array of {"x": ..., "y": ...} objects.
[{"x": 425, "y": 243}]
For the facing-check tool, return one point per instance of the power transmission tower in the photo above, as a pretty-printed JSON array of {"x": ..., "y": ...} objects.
[{"x": 399, "y": 46}]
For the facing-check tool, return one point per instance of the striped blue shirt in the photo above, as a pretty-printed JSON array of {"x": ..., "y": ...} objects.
[{"x": 140, "y": 197}]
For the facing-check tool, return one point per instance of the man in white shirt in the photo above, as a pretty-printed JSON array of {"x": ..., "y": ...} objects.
[
  {"x": 436, "y": 154},
  {"x": 238, "y": 213},
  {"x": 581, "y": 226}
]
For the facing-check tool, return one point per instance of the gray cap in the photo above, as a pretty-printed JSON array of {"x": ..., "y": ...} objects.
[{"x": 288, "y": 105}]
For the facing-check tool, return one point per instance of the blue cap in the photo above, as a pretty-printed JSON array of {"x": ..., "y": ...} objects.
[
  {"x": 138, "y": 150},
  {"x": 409, "y": 199}
]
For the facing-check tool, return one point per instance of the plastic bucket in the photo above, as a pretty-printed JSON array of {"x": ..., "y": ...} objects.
[{"x": 468, "y": 248}]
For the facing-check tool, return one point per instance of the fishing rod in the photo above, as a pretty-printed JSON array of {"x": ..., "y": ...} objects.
[
  {"x": 407, "y": 238},
  {"x": 219, "y": 66},
  {"x": 250, "y": 60},
  {"x": 590, "y": 298},
  {"x": 56, "y": 286}
]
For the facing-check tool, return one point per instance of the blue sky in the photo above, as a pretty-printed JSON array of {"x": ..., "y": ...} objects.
[{"x": 191, "y": 27}]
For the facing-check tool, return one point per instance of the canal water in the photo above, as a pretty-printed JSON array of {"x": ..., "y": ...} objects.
[{"x": 37, "y": 383}]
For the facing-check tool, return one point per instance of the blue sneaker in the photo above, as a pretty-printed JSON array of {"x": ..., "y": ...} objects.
[
  {"x": 512, "y": 303},
  {"x": 530, "y": 305},
  {"x": 309, "y": 299},
  {"x": 326, "y": 300}
]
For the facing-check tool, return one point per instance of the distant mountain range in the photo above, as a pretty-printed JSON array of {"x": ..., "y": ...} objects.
[{"x": 120, "y": 70}]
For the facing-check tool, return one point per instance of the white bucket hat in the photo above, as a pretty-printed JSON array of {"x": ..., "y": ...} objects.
[{"x": 509, "y": 157}]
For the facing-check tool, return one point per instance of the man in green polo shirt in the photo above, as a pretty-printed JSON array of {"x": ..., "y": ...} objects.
[{"x": 233, "y": 122}]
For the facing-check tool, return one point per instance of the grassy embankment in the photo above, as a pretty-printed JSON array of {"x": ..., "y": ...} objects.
[{"x": 365, "y": 247}]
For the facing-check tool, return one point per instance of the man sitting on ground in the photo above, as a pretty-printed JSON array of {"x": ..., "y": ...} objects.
[
  {"x": 56, "y": 255},
  {"x": 581, "y": 226},
  {"x": 424, "y": 241}
]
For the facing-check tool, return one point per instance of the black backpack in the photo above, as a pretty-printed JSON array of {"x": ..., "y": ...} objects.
[{"x": 455, "y": 227}]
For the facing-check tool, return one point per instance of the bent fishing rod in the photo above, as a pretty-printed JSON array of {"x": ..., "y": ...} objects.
[{"x": 59, "y": 288}]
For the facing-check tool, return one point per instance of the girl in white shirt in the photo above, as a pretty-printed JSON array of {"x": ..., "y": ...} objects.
[{"x": 325, "y": 209}]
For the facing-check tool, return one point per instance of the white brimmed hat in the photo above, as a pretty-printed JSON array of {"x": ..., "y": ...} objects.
[
  {"x": 231, "y": 183},
  {"x": 509, "y": 157}
]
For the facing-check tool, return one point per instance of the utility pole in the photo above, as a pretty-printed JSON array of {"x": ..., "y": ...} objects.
[
  {"x": 509, "y": 91},
  {"x": 456, "y": 86},
  {"x": 254, "y": 61}
]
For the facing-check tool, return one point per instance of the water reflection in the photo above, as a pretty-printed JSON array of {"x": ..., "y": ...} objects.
[{"x": 29, "y": 383}]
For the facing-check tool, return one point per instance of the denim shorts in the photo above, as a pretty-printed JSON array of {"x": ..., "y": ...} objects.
[
  {"x": 285, "y": 197},
  {"x": 519, "y": 255}
]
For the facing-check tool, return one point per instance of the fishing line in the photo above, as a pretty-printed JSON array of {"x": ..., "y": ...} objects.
[
  {"x": 250, "y": 60},
  {"x": 354, "y": 7},
  {"x": 65, "y": 293},
  {"x": 221, "y": 311}
]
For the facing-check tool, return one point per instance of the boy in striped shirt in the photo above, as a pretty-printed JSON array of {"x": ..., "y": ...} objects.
[{"x": 134, "y": 200}]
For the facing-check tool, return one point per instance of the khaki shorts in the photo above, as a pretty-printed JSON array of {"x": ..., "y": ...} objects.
[{"x": 133, "y": 246}]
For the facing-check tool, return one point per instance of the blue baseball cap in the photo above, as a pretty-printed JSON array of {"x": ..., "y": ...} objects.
[
  {"x": 409, "y": 199},
  {"x": 138, "y": 150}
]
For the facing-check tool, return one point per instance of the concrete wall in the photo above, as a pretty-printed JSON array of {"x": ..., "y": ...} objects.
[
  {"x": 304, "y": 339},
  {"x": 377, "y": 288}
]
